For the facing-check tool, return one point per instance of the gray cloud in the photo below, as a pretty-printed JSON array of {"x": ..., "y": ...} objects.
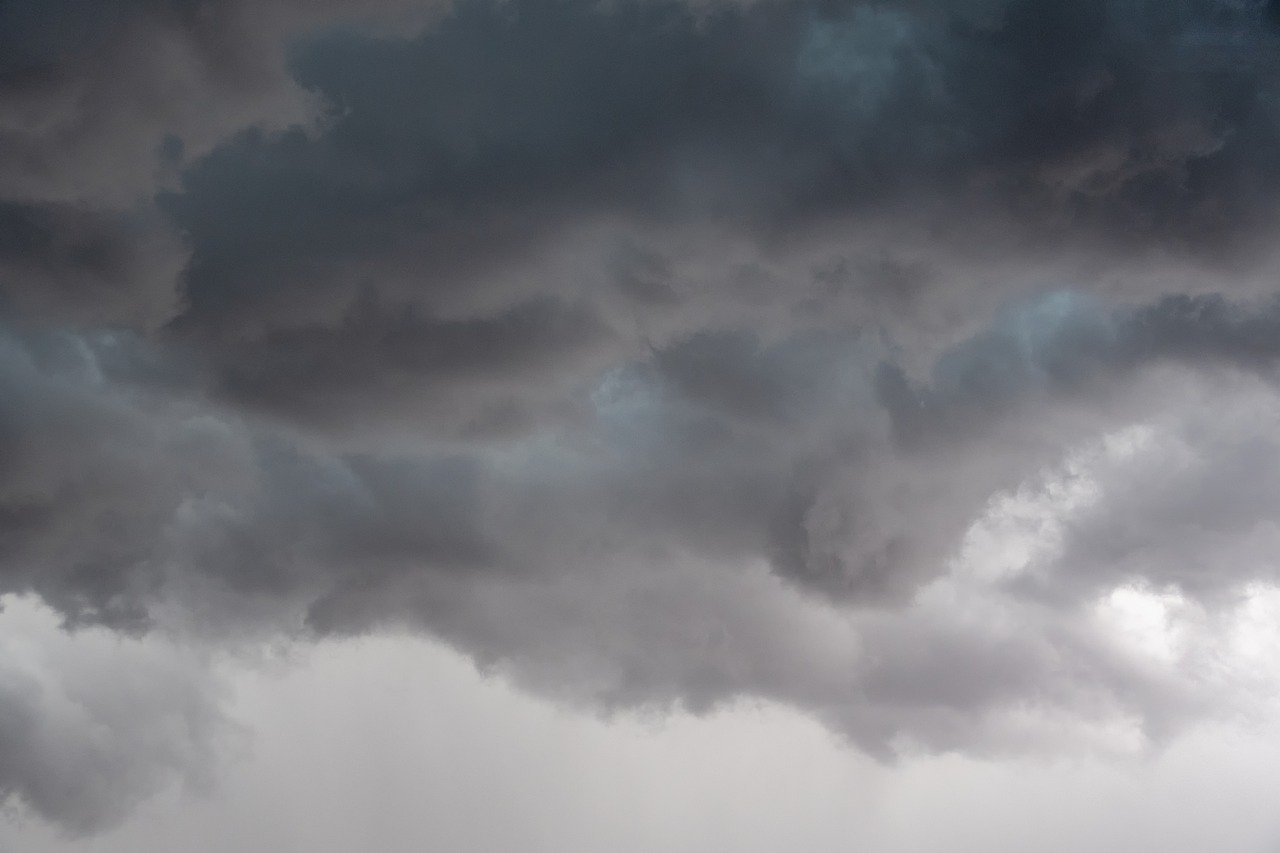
[
  {"x": 650, "y": 353},
  {"x": 94, "y": 722},
  {"x": 455, "y": 167},
  {"x": 1066, "y": 345}
]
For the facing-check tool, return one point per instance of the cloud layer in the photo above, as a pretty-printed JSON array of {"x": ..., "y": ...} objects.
[{"x": 909, "y": 363}]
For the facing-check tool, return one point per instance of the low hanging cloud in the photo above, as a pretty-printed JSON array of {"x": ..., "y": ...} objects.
[
  {"x": 93, "y": 723},
  {"x": 909, "y": 363}
]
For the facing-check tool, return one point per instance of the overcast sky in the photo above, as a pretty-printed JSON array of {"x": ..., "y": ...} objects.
[{"x": 639, "y": 425}]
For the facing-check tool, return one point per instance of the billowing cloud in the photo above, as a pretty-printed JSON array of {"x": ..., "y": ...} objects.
[
  {"x": 94, "y": 722},
  {"x": 911, "y": 364}
]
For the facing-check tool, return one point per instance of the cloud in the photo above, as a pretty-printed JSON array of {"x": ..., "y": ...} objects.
[
  {"x": 94, "y": 722},
  {"x": 657, "y": 354}
]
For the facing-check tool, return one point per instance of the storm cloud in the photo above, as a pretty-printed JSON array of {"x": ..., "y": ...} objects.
[{"x": 881, "y": 359}]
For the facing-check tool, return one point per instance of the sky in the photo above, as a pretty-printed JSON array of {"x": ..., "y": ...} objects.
[{"x": 648, "y": 424}]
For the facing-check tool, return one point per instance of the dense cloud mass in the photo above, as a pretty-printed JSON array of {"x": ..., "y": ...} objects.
[
  {"x": 92, "y": 723},
  {"x": 912, "y": 363}
]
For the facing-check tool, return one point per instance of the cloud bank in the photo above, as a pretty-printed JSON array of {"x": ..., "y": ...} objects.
[{"x": 909, "y": 363}]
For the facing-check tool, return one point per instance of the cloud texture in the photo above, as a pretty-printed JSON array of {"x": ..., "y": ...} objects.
[{"x": 910, "y": 363}]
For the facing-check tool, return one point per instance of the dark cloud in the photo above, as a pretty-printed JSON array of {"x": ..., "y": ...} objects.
[
  {"x": 466, "y": 376},
  {"x": 85, "y": 267},
  {"x": 456, "y": 170},
  {"x": 1067, "y": 345},
  {"x": 651, "y": 353}
]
